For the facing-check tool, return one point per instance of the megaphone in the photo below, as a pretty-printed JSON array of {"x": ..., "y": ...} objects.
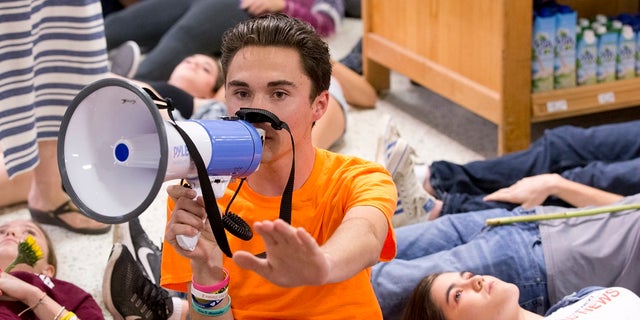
[{"x": 115, "y": 150}]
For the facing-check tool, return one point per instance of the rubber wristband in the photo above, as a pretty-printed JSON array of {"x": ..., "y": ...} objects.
[
  {"x": 212, "y": 312},
  {"x": 207, "y": 304},
  {"x": 209, "y": 296},
  {"x": 215, "y": 287},
  {"x": 69, "y": 316}
]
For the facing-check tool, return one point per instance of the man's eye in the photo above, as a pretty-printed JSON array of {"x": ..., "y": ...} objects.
[{"x": 241, "y": 94}]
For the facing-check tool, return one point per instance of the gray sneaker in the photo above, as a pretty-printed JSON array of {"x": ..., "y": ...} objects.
[{"x": 125, "y": 59}]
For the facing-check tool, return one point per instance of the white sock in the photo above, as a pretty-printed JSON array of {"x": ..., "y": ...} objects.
[{"x": 177, "y": 308}]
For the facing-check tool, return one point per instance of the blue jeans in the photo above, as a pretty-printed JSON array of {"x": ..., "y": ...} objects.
[
  {"x": 462, "y": 242},
  {"x": 606, "y": 157}
]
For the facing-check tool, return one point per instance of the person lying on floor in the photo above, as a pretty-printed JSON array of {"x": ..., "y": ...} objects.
[
  {"x": 606, "y": 157},
  {"x": 544, "y": 259},
  {"x": 33, "y": 292},
  {"x": 463, "y": 295}
]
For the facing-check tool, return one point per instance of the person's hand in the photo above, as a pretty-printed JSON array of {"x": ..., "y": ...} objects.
[
  {"x": 258, "y": 7},
  {"x": 13, "y": 288},
  {"x": 189, "y": 218},
  {"x": 293, "y": 256},
  {"x": 528, "y": 192}
]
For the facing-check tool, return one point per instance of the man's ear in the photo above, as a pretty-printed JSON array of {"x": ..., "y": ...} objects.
[{"x": 320, "y": 105}]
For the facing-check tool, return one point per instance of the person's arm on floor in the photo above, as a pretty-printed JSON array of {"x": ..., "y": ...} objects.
[
  {"x": 43, "y": 306},
  {"x": 357, "y": 91},
  {"x": 533, "y": 191}
]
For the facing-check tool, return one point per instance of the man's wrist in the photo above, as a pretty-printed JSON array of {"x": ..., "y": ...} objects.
[{"x": 208, "y": 271}]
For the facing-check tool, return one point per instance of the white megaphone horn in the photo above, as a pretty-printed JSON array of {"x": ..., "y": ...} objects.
[{"x": 115, "y": 151}]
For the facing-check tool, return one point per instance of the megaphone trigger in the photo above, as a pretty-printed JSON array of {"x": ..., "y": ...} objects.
[{"x": 219, "y": 184}]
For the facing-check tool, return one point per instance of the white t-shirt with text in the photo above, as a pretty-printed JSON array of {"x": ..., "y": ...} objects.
[{"x": 609, "y": 303}]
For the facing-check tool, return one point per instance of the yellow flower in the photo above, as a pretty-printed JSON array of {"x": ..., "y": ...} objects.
[{"x": 28, "y": 252}]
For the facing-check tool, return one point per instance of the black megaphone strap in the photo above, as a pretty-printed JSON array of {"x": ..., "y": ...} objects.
[
  {"x": 211, "y": 207},
  {"x": 254, "y": 115}
]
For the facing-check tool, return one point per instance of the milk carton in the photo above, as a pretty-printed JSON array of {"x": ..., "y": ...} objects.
[
  {"x": 606, "y": 61},
  {"x": 587, "y": 54},
  {"x": 543, "y": 42},
  {"x": 564, "y": 67},
  {"x": 625, "y": 61}
]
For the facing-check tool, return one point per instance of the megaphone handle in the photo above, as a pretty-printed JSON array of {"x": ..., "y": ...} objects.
[{"x": 186, "y": 242}]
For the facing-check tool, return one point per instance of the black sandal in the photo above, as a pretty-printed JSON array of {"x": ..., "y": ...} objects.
[{"x": 53, "y": 218}]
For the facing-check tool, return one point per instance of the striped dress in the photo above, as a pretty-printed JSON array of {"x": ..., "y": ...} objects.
[{"x": 49, "y": 50}]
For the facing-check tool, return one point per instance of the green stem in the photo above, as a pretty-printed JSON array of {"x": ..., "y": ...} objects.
[
  {"x": 561, "y": 215},
  {"x": 10, "y": 267}
]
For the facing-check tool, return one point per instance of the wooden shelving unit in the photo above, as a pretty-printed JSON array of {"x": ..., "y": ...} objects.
[{"x": 478, "y": 55}]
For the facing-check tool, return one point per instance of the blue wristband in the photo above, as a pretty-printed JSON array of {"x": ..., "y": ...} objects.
[
  {"x": 207, "y": 304},
  {"x": 212, "y": 312}
]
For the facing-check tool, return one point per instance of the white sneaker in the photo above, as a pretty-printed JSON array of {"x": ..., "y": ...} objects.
[
  {"x": 125, "y": 59},
  {"x": 414, "y": 203},
  {"x": 386, "y": 143}
]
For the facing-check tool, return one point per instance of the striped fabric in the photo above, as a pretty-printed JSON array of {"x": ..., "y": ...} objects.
[{"x": 49, "y": 50}]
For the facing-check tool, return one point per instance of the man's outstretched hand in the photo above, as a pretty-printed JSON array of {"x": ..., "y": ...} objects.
[{"x": 293, "y": 256}]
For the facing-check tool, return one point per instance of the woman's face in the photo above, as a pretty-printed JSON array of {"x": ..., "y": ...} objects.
[
  {"x": 197, "y": 75},
  {"x": 14, "y": 232},
  {"x": 467, "y": 296}
]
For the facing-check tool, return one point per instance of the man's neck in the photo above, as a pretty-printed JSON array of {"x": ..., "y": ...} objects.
[{"x": 271, "y": 179}]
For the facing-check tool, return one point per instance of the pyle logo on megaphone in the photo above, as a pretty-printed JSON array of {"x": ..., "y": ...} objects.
[{"x": 115, "y": 150}]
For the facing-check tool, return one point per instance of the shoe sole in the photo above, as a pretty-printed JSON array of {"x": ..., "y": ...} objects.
[
  {"x": 398, "y": 151},
  {"x": 116, "y": 251},
  {"x": 132, "y": 54},
  {"x": 381, "y": 148}
]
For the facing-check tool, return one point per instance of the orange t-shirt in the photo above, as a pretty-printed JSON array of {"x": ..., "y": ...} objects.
[{"x": 336, "y": 184}]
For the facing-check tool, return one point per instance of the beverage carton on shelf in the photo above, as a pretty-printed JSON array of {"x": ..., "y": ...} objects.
[
  {"x": 564, "y": 68},
  {"x": 606, "y": 59},
  {"x": 626, "y": 51},
  {"x": 587, "y": 53},
  {"x": 543, "y": 43}
]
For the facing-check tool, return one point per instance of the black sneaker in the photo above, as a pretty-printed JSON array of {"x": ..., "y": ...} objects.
[
  {"x": 144, "y": 251},
  {"x": 127, "y": 294}
]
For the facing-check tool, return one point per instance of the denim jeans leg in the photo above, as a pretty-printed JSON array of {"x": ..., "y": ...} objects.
[
  {"x": 559, "y": 149},
  {"x": 461, "y": 243},
  {"x": 618, "y": 177}
]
